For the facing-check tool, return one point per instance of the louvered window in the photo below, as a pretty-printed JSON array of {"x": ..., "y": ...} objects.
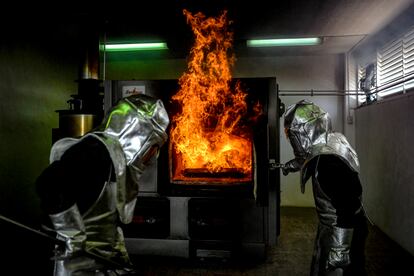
[
  {"x": 394, "y": 72},
  {"x": 409, "y": 59},
  {"x": 395, "y": 65},
  {"x": 390, "y": 63}
]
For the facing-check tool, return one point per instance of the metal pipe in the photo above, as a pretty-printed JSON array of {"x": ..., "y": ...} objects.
[
  {"x": 53, "y": 239},
  {"x": 339, "y": 92},
  {"x": 63, "y": 243},
  {"x": 312, "y": 93},
  {"x": 381, "y": 88},
  {"x": 89, "y": 54},
  {"x": 319, "y": 91}
]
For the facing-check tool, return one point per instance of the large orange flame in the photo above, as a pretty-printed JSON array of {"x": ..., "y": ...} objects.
[{"x": 208, "y": 134}]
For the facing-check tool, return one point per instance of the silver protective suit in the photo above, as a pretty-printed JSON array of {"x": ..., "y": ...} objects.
[
  {"x": 309, "y": 131},
  {"x": 132, "y": 132},
  {"x": 308, "y": 128}
]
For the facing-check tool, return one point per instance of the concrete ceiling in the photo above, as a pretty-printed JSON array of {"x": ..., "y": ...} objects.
[{"x": 342, "y": 23}]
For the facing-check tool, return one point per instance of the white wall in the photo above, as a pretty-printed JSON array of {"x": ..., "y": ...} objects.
[
  {"x": 385, "y": 135},
  {"x": 350, "y": 101},
  {"x": 292, "y": 73},
  {"x": 36, "y": 78},
  {"x": 300, "y": 73},
  {"x": 384, "y": 132}
]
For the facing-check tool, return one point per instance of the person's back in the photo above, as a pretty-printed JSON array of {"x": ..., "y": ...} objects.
[
  {"x": 327, "y": 158},
  {"x": 342, "y": 226},
  {"x": 92, "y": 184}
]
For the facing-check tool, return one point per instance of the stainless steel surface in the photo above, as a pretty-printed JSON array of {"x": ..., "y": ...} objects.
[
  {"x": 89, "y": 65},
  {"x": 181, "y": 248},
  {"x": 258, "y": 216},
  {"x": 159, "y": 247},
  {"x": 179, "y": 217},
  {"x": 213, "y": 253},
  {"x": 76, "y": 125},
  {"x": 148, "y": 180}
]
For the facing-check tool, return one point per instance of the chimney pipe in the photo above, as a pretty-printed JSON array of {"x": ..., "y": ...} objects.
[{"x": 85, "y": 108}]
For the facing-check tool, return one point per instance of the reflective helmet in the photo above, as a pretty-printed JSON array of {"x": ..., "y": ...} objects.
[
  {"x": 306, "y": 125},
  {"x": 309, "y": 130},
  {"x": 139, "y": 124}
]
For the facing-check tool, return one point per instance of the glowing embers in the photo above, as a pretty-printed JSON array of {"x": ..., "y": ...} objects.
[
  {"x": 210, "y": 140},
  {"x": 228, "y": 164}
]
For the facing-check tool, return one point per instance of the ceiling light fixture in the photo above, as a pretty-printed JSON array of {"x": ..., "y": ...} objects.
[
  {"x": 135, "y": 47},
  {"x": 300, "y": 41}
]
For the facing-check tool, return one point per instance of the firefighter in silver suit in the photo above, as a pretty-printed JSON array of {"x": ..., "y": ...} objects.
[
  {"x": 92, "y": 184},
  {"x": 327, "y": 158}
]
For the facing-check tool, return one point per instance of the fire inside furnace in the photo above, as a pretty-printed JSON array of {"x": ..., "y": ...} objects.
[{"x": 210, "y": 140}]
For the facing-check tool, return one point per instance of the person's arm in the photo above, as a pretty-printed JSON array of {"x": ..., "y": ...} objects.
[
  {"x": 51, "y": 186},
  {"x": 293, "y": 165},
  {"x": 78, "y": 177}
]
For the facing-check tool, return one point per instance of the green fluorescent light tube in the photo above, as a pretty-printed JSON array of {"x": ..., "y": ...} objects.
[
  {"x": 136, "y": 47},
  {"x": 284, "y": 42}
]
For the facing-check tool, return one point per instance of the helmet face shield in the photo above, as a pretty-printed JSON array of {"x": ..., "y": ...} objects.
[
  {"x": 139, "y": 124},
  {"x": 147, "y": 151},
  {"x": 149, "y": 154},
  {"x": 297, "y": 144},
  {"x": 306, "y": 125},
  {"x": 309, "y": 130}
]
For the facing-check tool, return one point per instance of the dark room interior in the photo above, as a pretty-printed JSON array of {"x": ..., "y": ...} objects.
[{"x": 57, "y": 63}]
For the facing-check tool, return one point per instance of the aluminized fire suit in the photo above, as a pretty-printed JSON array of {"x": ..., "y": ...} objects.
[
  {"x": 130, "y": 135},
  {"x": 327, "y": 157}
]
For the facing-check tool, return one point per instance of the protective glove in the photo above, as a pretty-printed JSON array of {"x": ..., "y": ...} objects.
[
  {"x": 285, "y": 170},
  {"x": 70, "y": 228},
  {"x": 340, "y": 246},
  {"x": 293, "y": 165}
]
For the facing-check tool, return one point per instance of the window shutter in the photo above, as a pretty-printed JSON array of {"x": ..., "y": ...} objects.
[
  {"x": 390, "y": 63},
  {"x": 409, "y": 59},
  {"x": 395, "y": 63}
]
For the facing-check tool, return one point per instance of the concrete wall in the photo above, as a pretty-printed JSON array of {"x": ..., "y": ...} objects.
[
  {"x": 37, "y": 75},
  {"x": 292, "y": 73},
  {"x": 300, "y": 73},
  {"x": 350, "y": 100},
  {"x": 385, "y": 135},
  {"x": 37, "y": 78}
]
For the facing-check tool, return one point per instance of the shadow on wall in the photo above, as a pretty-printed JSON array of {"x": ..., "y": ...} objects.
[{"x": 37, "y": 79}]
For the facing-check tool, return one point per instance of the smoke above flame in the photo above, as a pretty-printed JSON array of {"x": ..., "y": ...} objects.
[{"x": 208, "y": 132}]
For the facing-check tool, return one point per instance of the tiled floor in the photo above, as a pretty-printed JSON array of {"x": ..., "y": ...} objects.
[{"x": 292, "y": 255}]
